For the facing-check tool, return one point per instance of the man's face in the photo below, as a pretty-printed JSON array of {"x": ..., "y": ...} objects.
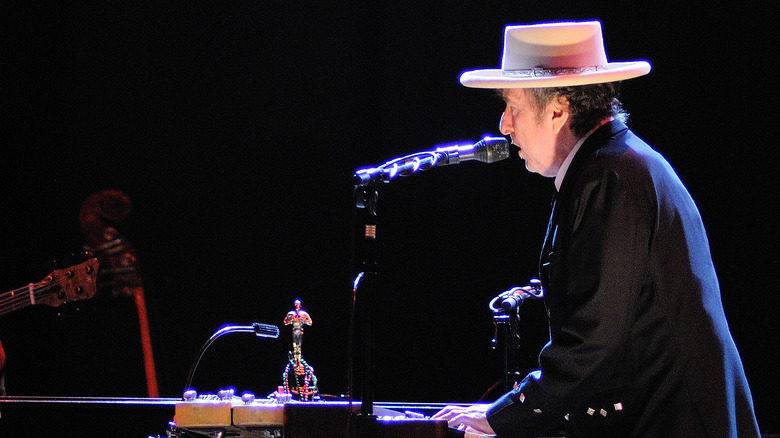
[{"x": 534, "y": 135}]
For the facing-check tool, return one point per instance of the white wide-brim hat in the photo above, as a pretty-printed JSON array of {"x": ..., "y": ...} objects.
[{"x": 554, "y": 55}]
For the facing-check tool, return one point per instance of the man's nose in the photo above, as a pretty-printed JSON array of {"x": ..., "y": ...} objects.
[{"x": 505, "y": 124}]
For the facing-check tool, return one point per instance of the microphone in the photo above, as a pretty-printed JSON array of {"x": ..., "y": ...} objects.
[
  {"x": 487, "y": 150},
  {"x": 260, "y": 330},
  {"x": 514, "y": 297}
]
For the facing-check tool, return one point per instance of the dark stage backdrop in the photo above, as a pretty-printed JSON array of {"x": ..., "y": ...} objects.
[{"x": 235, "y": 129}]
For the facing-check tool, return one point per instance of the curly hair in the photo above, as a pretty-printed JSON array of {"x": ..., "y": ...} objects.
[{"x": 588, "y": 104}]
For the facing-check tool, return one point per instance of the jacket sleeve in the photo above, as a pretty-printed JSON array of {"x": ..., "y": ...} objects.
[{"x": 525, "y": 411}]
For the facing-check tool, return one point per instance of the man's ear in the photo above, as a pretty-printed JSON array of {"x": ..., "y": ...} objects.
[{"x": 559, "y": 113}]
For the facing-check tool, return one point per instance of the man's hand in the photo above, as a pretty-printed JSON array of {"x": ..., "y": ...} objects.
[{"x": 470, "y": 419}]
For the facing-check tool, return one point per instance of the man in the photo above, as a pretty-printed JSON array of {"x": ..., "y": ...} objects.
[{"x": 639, "y": 344}]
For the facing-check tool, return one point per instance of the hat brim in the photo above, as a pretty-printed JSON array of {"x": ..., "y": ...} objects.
[{"x": 612, "y": 72}]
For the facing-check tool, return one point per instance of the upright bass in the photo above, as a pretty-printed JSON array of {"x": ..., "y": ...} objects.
[{"x": 118, "y": 275}]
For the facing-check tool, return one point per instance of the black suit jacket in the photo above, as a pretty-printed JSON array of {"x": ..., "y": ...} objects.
[{"x": 639, "y": 344}]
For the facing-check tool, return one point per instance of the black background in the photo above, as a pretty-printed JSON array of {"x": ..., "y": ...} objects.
[{"x": 235, "y": 128}]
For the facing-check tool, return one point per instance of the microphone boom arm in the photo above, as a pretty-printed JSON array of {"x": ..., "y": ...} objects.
[
  {"x": 487, "y": 150},
  {"x": 398, "y": 167}
]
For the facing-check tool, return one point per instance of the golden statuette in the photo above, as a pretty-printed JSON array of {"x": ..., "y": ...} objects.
[{"x": 298, "y": 377}]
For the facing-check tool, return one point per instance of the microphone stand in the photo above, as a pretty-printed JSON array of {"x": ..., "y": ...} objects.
[
  {"x": 511, "y": 341},
  {"x": 506, "y": 314},
  {"x": 363, "y": 297},
  {"x": 365, "y": 285}
]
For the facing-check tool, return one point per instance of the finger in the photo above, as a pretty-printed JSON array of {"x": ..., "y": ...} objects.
[
  {"x": 459, "y": 419},
  {"x": 447, "y": 412},
  {"x": 443, "y": 414}
]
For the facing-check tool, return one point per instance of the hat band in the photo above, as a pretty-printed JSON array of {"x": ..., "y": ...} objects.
[{"x": 547, "y": 72}]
